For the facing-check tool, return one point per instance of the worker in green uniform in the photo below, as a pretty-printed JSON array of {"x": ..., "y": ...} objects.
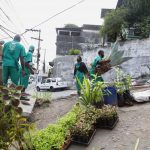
[
  {"x": 12, "y": 51},
  {"x": 80, "y": 70},
  {"x": 96, "y": 61},
  {"x": 24, "y": 80}
]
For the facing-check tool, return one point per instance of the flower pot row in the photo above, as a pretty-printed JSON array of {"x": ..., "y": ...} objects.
[
  {"x": 84, "y": 130},
  {"x": 106, "y": 123},
  {"x": 100, "y": 124},
  {"x": 77, "y": 126}
]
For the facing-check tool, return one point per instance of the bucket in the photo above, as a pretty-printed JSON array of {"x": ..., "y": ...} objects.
[{"x": 110, "y": 96}]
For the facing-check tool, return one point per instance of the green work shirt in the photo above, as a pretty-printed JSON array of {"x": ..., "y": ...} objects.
[
  {"x": 11, "y": 53},
  {"x": 93, "y": 66}
]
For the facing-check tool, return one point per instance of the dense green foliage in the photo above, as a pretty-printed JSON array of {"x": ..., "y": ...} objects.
[
  {"x": 12, "y": 125},
  {"x": 74, "y": 52},
  {"x": 113, "y": 23},
  {"x": 52, "y": 137},
  {"x": 137, "y": 10},
  {"x": 133, "y": 13},
  {"x": 92, "y": 91}
]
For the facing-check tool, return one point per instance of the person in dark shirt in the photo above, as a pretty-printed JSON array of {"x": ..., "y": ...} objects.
[{"x": 80, "y": 70}]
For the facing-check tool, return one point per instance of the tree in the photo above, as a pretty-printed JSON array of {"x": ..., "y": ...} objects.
[
  {"x": 145, "y": 27},
  {"x": 132, "y": 13},
  {"x": 137, "y": 10},
  {"x": 113, "y": 23}
]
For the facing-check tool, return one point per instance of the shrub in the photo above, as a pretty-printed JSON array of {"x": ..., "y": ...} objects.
[{"x": 74, "y": 52}]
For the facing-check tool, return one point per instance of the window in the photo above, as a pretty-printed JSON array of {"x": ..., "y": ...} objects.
[
  {"x": 48, "y": 80},
  {"x": 53, "y": 80}
]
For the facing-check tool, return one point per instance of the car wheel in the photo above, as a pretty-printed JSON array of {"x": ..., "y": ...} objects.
[
  {"x": 51, "y": 89},
  {"x": 37, "y": 88}
]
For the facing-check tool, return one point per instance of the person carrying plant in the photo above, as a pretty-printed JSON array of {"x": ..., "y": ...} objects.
[
  {"x": 80, "y": 70},
  {"x": 24, "y": 79},
  {"x": 12, "y": 51},
  {"x": 96, "y": 62},
  {"x": 99, "y": 66}
]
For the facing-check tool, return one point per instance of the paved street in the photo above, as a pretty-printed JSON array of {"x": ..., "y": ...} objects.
[{"x": 55, "y": 95}]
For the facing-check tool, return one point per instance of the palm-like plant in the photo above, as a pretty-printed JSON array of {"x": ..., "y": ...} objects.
[
  {"x": 92, "y": 91},
  {"x": 116, "y": 56}
]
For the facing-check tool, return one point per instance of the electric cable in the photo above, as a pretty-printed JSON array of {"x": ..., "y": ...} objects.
[
  {"x": 6, "y": 33},
  {"x": 7, "y": 29},
  {"x": 55, "y": 15}
]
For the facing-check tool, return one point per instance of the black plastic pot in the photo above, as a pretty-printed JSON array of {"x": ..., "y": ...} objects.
[
  {"x": 107, "y": 123},
  {"x": 127, "y": 96},
  {"x": 110, "y": 122},
  {"x": 101, "y": 122},
  {"x": 83, "y": 140},
  {"x": 121, "y": 101}
]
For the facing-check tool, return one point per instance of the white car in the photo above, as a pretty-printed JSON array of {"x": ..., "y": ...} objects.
[{"x": 51, "y": 84}]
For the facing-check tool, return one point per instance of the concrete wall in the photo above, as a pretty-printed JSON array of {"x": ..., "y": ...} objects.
[
  {"x": 138, "y": 49},
  {"x": 64, "y": 67}
]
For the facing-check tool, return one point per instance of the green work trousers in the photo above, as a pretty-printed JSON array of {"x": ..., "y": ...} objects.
[
  {"x": 24, "y": 80},
  {"x": 12, "y": 73}
]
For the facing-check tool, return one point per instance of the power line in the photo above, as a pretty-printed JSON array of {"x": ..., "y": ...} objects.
[
  {"x": 6, "y": 33},
  {"x": 5, "y": 14},
  {"x": 25, "y": 41},
  {"x": 55, "y": 15},
  {"x": 7, "y": 29}
]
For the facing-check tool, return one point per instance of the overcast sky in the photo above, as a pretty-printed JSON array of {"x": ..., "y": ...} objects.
[{"x": 24, "y": 14}]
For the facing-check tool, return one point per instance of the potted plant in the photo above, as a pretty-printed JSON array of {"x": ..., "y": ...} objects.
[
  {"x": 127, "y": 95},
  {"x": 92, "y": 93},
  {"x": 120, "y": 90},
  {"x": 107, "y": 117},
  {"x": 54, "y": 137},
  {"x": 82, "y": 132}
]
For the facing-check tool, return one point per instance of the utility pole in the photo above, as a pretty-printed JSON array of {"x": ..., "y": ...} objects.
[
  {"x": 44, "y": 61},
  {"x": 39, "y": 40}
]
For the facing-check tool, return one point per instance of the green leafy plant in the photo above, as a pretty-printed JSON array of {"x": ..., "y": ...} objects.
[
  {"x": 56, "y": 135},
  {"x": 123, "y": 81},
  {"x": 82, "y": 128},
  {"x": 42, "y": 97},
  {"x": 53, "y": 137},
  {"x": 13, "y": 126},
  {"x": 92, "y": 91},
  {"x": 74, "y": 52},
  {"x": 68, "y": 120},
  {"x": 108, "y": 112}
]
